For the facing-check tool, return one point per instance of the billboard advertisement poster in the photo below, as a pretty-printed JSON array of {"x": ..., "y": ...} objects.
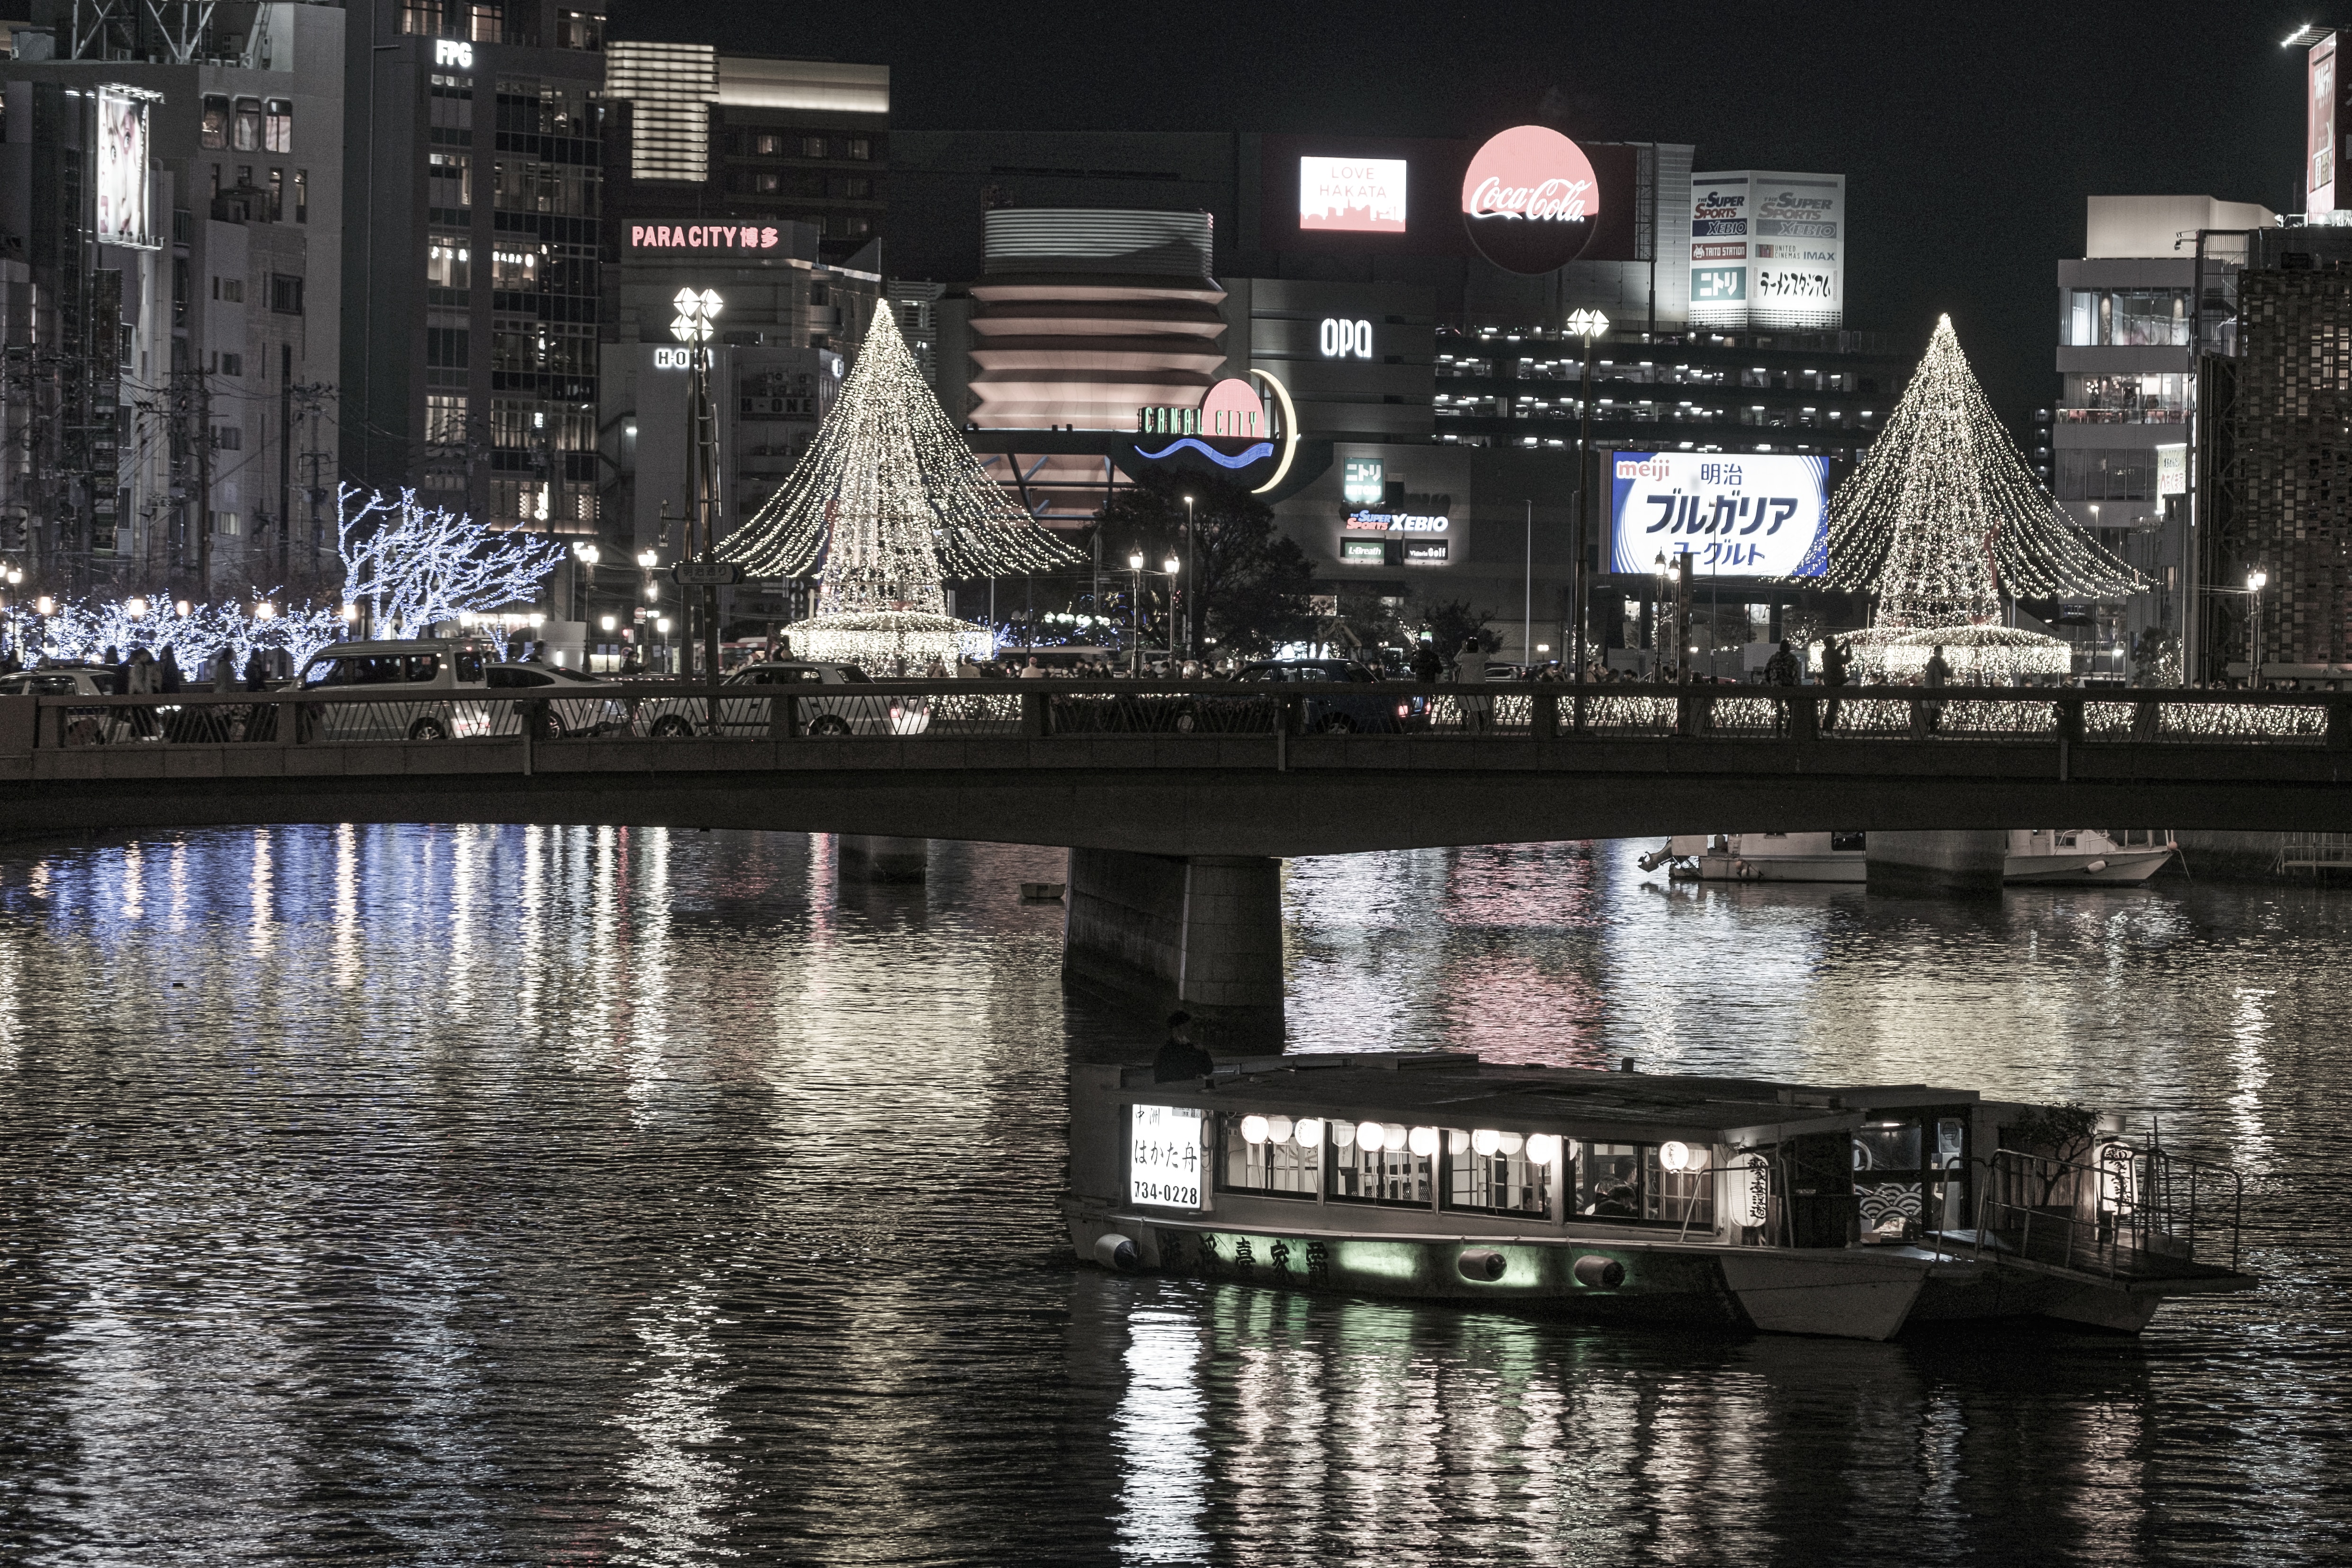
[
  {"x": 1530, "y": 200},
  {"x": 1734, "y": 514},
  {"x": 2320, "y": 126},
  {"x": 1364, "y": 481},
  {"x": 2172, "y": 470},
  {"x": 1363, "y": 195},
  {"x": 122, "y": 206},
  {"x": 1363, "y": 552},
  {"x": 1787, "y": 230}
]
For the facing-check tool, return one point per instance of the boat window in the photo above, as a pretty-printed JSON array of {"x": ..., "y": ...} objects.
[
  {"x": 1499, "y": 1172},
  {"x": 1609, "y": 1181},
  {"x": 1910, "y": 1175},
  {"x": 1846, "y": 842},
  {"x": 1670, "y": 1183},
  {"x": 1383, "y": 1162},
  {"x": 1275, "y": 1155}
]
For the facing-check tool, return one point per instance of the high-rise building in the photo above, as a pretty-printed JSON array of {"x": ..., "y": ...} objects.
[
  {"x": 2130, "y": 314},
  {"x": 171, "y": 196},
  {"x": 695, "y": 135},
  {"x": 477, "y": 195}
]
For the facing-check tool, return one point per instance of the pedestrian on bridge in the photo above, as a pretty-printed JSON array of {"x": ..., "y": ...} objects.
[
  {"x": 1470, "y": 670},
  {"x": 1938, "y": 673},
  {"x": 1836, "y": 659}
]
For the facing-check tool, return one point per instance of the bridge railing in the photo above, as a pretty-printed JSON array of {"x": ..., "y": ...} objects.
[{"x": 588, "y": 712}]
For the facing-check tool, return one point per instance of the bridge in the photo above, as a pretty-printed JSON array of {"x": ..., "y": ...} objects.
[{"x": 1179, "y": 800}]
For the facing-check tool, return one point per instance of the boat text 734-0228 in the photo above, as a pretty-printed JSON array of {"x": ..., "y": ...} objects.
[{"x": 1853, "y": 1211}]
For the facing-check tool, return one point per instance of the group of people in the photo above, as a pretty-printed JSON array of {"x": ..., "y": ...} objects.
[{"x": 144, "y": 671}]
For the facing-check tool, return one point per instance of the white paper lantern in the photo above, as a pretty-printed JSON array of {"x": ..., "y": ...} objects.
[
  {"x": 1457, "y": 1142},
  {"x": 1370, "y": 1137},
  {"x": 1422, "y": 1141},
  {"x": 1508, "y": 1142},
  {"x": 1392, "y": 1135},
  {"x": 1486, "y": 1140},
  {"x": 1308, "y": 1132},
  {"x": 1543, "y": 1148},
  {"x": 1254, "y": 1129},
  {"x": 1279, "y": 1129},
  {"x": 1343, "y": 1135},
  {"x": 1672, "y": 1155}
]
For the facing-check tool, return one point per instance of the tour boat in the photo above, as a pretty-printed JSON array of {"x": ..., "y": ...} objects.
[
  {"x": 2087, "y": 854},
  {"x": 1639, "y": 1197},
  {"x": 1762, "y": 857}
]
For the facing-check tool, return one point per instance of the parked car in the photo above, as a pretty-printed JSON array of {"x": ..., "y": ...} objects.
[
  {"x": 571, "y": 702},
  {"x": 823, "y": 707},
  {"x": 446, "y": 678}
]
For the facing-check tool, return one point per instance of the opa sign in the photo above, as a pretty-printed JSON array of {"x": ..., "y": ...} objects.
[{"x": 1345, "y": 340}]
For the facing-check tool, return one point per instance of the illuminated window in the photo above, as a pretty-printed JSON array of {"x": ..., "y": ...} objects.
[
  {"x": 278, "y": 195},
  {"x": 1489, "y": 1170},
  {"x": 860, "y": 148},
  {"x": 277, "y": 125},
  {"x": 213, "y": 129},
  {"x": 1393, "y": 1172},
  {"x": 767, "y": 145},
  {"x": 1269, "y": 1154},
  {"x": 301, "y": 196},
  {"x": 514, "y": 270},
  {"x": 448, "y": 262},
  {"x": 444, "y": 419},
  {"x": 246, "y": 128},
  {"x": 452, "y": 178},
  {"x": 812, "y": 146}
]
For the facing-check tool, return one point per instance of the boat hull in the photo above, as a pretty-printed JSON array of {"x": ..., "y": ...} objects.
[
  {"x": 2126, "y": 867},
  {"x": 1845, "y": 866},
  {"x": 1847, "y": 1293}
]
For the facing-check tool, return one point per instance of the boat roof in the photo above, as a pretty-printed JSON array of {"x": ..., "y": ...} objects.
[{"x": 1456, "y": 1088}]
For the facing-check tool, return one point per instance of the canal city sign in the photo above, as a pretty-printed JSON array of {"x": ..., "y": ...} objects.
[
  {"x": 1230, "y": 432},
  {"x": 1749, "y": 514}
]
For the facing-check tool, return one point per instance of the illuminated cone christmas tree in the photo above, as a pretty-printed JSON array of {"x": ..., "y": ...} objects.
[
  {"x": 886, "y": 505},
  {"x": 1941, "y": 519}
]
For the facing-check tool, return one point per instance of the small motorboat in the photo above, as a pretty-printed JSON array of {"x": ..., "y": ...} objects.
[
  {"x": 1638, "y": 1198},
  {"x": 2129, "y": 856},
  {"x": 1762, "y": 857}
]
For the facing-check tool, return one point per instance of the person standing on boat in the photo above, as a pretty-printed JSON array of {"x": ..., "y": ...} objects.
[{"x": 1179, "y": 1058}]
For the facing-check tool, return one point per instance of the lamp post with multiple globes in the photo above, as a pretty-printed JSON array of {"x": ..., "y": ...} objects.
[
  {"x": 2255, "y": 583},
  {"x": 1588, "y": 325}
]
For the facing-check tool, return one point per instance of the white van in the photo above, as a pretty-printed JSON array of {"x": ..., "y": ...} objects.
[{"x": 438, "y": 673}]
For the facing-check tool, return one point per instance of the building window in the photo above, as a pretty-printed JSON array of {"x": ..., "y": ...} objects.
[
  {"x": 857, "y": 187},
  {"x": 421, "y": 18},
  {"x": 1387, "y": 1163},
  {"x": 444, "y": 419},
  {"x": 225, "y": 524},
  {"x": 768, "y": 144},
  {"x": 1496, "y": 1171},
  {"x": 447, "y": 263},
  {"x": 232, "y": 364},
  {"x": 230, "y": 289},
  {"x": 245, "y": 130},
  {"x": 579, "y": 30},
  {"x": 451, "y": 175},
  {"x": 486, "y": 25},
  {"x": 277, "y": 125},
  {"x": 2128, "y": 317},
  {"x": 861, "y": 148},
  {"x": 445, "y": 348},
  {"x": 228, "y": 438},
  {"x": 766, "y": 183},
  {"x": 285, "y": 294},
  {"x": 211, "y": 131},
  {"x": 301, "y": 196},
  {"x": 812, "y": 146},
  {"x": 514, "y": 270},
  {"x": 1274, "y": 1155},
  {"x": 278, "y": 195}
]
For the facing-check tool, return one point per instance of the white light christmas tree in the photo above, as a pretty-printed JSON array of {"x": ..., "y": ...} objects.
[
  {"x": 886, "y": 507},
  {"x": 1940, "y": 520}
]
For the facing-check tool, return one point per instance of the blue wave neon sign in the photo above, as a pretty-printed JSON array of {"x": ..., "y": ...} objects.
[{"x": 1262, "y": 450}]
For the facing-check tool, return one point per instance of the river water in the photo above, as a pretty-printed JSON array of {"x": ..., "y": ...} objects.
[{"x": 497, "y": 1194}]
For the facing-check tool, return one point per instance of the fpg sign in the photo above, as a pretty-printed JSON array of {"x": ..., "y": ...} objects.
[{"x": 1530, "y": 200}]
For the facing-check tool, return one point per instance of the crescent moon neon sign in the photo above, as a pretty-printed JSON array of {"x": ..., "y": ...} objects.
[{"x": 1289, "y": 430}]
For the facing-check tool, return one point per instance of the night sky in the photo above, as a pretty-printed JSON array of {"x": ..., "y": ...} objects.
[{"x": 1969, "y": 133}]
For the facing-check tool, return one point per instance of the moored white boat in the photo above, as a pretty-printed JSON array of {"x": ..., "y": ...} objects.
[
  {"x": 2087, "y": 854},
  {"x": 1763, "y": 857},
  {"x": 1855, "y": 1212}
]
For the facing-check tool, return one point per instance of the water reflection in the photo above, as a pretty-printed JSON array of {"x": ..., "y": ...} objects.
[{"x": 602, "y": 1195}]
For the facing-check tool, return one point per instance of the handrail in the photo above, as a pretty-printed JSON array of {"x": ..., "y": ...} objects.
[{"x": 2144, "y": 1201}]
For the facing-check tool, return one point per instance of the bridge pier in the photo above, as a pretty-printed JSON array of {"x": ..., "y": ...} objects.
[
  {"x": 1204, "y": 933},
  {"x": 873, "y": 857},
  {"x": 1946, "y": 862}
]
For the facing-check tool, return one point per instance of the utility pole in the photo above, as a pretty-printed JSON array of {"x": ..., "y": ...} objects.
[
  {"x": 203, "y": 489},
  {"x": 285, "y": 463}
]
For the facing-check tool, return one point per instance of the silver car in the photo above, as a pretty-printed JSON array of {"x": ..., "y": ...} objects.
[
  {"x": 446, "y": 678},
  {"x": 572, "y": 701},
  {"x": 826, "y": 707}
]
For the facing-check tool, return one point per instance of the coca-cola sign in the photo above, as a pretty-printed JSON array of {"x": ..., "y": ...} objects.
[{"x": 1530, "y": 200}]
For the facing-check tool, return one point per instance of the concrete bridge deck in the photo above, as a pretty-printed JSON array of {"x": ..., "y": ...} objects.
[{"x": 1103, "y": 766}]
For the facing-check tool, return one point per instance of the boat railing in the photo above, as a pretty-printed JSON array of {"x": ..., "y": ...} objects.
[{"x": 2128, "y": 1212}]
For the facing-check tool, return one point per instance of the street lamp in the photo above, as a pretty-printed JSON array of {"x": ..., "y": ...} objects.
[
  {"x": 692, "y": 327},
  {"x": 1135, "y": 615},
  {"x": 1587, "y": 325},
  {"x": 2255, "y": 583},
  {"x": 1192, "y": 562},
  {"x": 1173, "y": 565},
  {"x": 587, "y": 555}
]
